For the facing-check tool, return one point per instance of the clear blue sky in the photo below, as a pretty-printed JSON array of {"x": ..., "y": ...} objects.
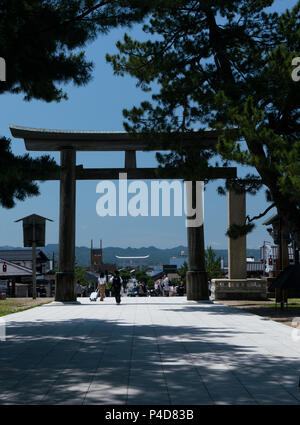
[{"x": 98, "y": 106}]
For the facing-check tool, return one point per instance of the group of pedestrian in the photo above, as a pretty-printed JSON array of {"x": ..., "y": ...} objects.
[
  {"x": 163, "y": 287},
  {"x": 116, "y": 284}
]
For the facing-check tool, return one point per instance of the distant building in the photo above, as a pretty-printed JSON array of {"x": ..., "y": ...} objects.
[
  {"x": 272, "y": 251},
  {"x": 134, "y": 261},
  {"x": 96, "y": 261},
  {"x": 15, "y": 278},
  {"x": 283, "y": 251},
  {"x": 179, "y": 260},
  {"x": 156, "y": 271},
  {"x": 269, "y": 255},
  {"x": 23, "y": 258},
  {"x": 174, "y": 277},
  {"x": 12, "y": 271}
]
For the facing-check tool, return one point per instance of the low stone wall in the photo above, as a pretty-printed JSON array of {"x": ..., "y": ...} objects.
[{"x": 238, "y": 289}]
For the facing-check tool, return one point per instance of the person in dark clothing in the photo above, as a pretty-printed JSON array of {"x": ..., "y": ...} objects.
[
  {"x": 181, "y": 289},
  {"x": 116, "y": 285}
]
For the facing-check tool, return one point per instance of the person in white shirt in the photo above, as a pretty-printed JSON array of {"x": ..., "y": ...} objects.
[
  {"x": 166, "y": 286},
  {"x": 101, "y": 285}
]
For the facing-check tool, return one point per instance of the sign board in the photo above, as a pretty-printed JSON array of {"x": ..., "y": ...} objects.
[{"x": 32, "y": 234}]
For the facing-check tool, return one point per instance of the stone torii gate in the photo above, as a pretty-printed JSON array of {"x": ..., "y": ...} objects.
[{"x": 68, "y": 143}]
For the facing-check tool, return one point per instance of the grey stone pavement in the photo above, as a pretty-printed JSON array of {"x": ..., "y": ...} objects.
[{"x": 147, "y": 351}]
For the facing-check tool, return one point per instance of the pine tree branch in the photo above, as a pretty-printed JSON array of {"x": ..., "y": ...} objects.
[
  {"x": 260, "y": 215},
  {"x": 79, "y": 17}
]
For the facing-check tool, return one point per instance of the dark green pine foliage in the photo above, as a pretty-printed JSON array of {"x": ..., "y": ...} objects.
[
  {"x": 42, "y": 42},
  {"x": 183, "y": 270},
  {"x": 212, "y": 264},
  {"x": 17, "y": 174},
  {"x": 224, "y": 65}
]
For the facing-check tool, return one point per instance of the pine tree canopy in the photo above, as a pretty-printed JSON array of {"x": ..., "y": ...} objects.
[
  {"x": 224, "y": 65},
  {"x": 42, "y": 42},
  {"x": 17, "y": 174}
]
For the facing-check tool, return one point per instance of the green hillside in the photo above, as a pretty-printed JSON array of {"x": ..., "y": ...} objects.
[{"x": 156, "y": 255}]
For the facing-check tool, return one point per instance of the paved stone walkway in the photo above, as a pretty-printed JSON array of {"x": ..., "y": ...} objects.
[{"x": 147, "y": 351}]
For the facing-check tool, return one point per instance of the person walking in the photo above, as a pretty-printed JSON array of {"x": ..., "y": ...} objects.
[
  {"x": 165, "y": 283},
  {"x": 157, "y": 288},
  {"x": 140, "y": 289},
  {"x": 116, "y": 285},
  {"x": 180, "y": 289},
  {"x": 101, "y": 286}
]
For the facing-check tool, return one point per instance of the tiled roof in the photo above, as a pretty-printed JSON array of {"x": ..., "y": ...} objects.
[
  {"x": 21, "y": 255},
  {"x": 17, "y": 269}
]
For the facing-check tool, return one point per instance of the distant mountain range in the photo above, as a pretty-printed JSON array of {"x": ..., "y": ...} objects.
[{"x": 156, "y": 255}]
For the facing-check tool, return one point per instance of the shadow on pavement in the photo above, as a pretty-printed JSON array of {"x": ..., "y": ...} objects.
[{"x": 113, "y": 362}]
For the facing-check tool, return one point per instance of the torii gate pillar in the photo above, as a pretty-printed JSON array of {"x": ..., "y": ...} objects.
[
  {"x": 65, "y": 278},
  {"x": 237, "y": 253},
  {"x": 196, "y": 276}
]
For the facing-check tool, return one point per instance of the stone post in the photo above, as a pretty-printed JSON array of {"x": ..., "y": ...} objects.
[
  {"x": 237, "y": 263},
  {"x": 34, "y": 270},
  {"x": 196, "y": 277},
  {"x": 65, "y": 278}
]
